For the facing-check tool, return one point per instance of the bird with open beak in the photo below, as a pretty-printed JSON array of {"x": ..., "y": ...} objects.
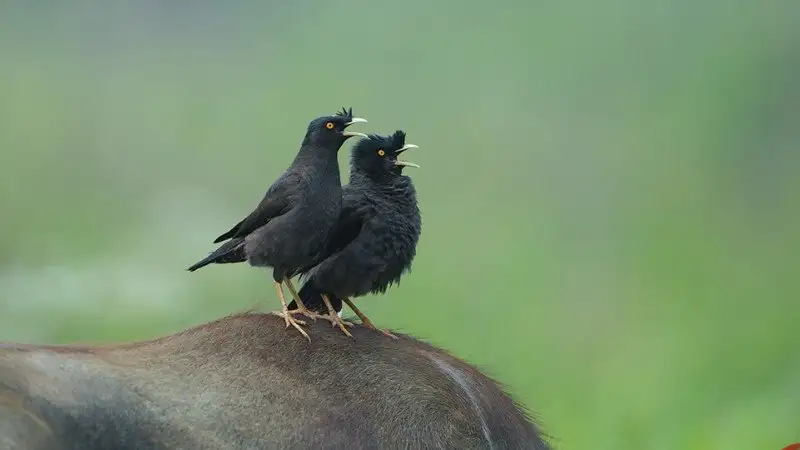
[
  {"x": 294, "y": 222},
  {"x": 375, "y": 239}
]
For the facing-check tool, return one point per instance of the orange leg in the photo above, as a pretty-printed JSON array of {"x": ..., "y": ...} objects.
[
  {"x": 287, "y": 315},
  {"x": 301, "y": 308},
  {"x": 365, "y": 320},
  {"x": 334, "y": 318}
]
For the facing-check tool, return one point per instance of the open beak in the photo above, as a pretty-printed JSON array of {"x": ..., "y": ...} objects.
[
  {"x": 405, "y": 163},
  {"x": 353, "y": 133},
  {"x": 355, "y": 120}
]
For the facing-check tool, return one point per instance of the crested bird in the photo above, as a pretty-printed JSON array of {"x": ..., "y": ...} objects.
[
  {"x": 290, "y": 227},
  {"x": 375, "y": 239}
]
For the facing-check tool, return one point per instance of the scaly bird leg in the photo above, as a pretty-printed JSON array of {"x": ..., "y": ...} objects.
[
  {"x": 287, "y": 315},
  {"x": 301, "y": 308},
  {"x": 364, "y": 319},
  {"x": 334, "y": 318}
]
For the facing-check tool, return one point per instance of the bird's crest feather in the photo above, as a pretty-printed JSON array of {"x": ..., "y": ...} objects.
[
  {"x": 398, "y": 139},
  {"x": 346, "y": 113}
]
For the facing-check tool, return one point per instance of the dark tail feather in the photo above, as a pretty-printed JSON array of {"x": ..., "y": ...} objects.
[
  {"x": 229, "y": 252},
  {"x": 228, "y": 234},
  {"x": 311, "y": 297}
]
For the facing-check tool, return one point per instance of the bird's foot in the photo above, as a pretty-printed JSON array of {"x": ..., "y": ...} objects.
[
  {"x": 335, "y": 320},
  {"x": 387, "y": 333},
  {"x": 308, "y": 313},
  {"x": 287, "y": 317},
  {"x": 365, "y": 320},
  {"x": 368, "y": 323}
]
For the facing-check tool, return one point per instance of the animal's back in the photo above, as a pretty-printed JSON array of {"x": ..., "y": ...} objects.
[{"x": 243, "y": 382}]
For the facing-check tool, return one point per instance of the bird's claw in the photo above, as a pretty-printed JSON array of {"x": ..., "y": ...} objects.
[
  {"x": 308, "y": 313},
  {"x": 337, "y": 321},
  {"x": 368, "y": 323},
  {"x": 287, "y": 317},
  {"x": 387, "y": 333}
]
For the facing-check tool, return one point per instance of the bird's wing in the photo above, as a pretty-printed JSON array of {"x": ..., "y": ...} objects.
[
  {"x": 351, "y": 220},
  {"x": 348, "y": 239},
  {"x": 277, "y": 201}
]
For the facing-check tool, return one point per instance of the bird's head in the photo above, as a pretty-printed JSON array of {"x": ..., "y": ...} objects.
[
  {"x": 331, "y": 131},
  {"x": 379, "y": 155}
]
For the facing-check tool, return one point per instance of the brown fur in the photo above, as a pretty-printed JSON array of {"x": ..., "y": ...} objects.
[{"x": 244, "y": 382}]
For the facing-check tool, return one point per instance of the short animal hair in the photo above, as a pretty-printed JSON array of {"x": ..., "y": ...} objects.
[{"x": 245, "y": 382}]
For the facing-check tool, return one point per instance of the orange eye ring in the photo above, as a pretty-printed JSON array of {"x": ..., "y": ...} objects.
[
  {"x": 329, "y": 125},
  {"x": 381, "y": 152}
]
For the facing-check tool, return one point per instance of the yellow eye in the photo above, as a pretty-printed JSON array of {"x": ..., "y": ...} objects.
[
  {"x": 329, "y": 125},
  {"x": 381, "y": 152}
]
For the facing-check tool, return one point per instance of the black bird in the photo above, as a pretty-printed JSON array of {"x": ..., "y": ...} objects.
[
  {"x": 294, "y": 221},
  {"x": 376, "y": 237}
]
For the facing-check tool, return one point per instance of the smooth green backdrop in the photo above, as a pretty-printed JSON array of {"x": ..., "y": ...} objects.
[{"x": 610, "y": 190}]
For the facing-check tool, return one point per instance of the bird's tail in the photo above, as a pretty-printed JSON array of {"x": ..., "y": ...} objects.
[
  {"x": 312, "y": 298},
  {"x": 229, "y": 252}
]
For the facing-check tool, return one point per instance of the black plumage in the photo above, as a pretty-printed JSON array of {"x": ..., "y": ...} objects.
[
  {"x": 376, "y": 237},
  {"x": 289, "y": 229}
]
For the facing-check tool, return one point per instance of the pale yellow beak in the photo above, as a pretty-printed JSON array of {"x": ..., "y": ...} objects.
[
  {"x": 355, "y": 120},
  {"x": 354, "y": 133},
  {"x": 405, "y": 163}
]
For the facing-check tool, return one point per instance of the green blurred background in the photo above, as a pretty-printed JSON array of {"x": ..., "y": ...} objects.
[{"x": 610, "y": 190}]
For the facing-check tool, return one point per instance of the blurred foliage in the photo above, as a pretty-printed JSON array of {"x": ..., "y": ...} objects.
[{"x": 609, "y": 190}]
